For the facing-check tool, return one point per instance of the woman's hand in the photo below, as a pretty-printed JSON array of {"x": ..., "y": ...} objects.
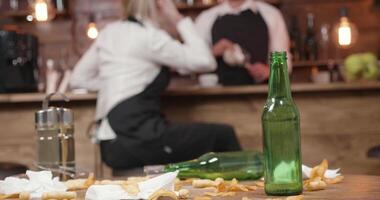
[
  {"x": 168, "y": 10},
  {"x": 221, "y": 46},
  {"x": 258, "y": 71}
]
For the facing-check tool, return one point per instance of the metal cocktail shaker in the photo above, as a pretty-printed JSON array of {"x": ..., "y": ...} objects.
[{"x": 55, "y": 139}]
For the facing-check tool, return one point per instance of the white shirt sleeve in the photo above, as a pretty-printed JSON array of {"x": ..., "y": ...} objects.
[
  {"x": 278, "y": 33},
  {"x": 85, "y": 74},
  {"x": 192, "y": 56},
  {"x": 204, "y": 23}
]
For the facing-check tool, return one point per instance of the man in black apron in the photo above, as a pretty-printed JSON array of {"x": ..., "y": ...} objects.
[{"x": 254, "y": 26}]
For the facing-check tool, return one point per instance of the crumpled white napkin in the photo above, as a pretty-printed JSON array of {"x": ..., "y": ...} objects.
[
  {"x": 234, "y": 56},
  {"x": 147, "y": 188},
  {"x": 36, "y": 184},
  {"x": 330, "y": 173}
]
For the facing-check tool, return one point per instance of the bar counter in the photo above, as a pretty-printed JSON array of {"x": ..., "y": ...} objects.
[
  {"x": 332, "y": 124},
  {"x": 195, "y": 90}
]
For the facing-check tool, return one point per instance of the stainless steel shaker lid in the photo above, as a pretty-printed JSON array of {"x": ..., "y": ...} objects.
[
  {"x": 66, "y": 115},
  {"x": 53, "y": 115}
]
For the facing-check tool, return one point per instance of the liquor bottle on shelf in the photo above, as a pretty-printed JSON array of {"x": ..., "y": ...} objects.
[
  {"x": 281, "y": 133},
  {"x": 310, "y": 43},
  {"x": 242, "y": 165},
  {"x": 295, "y": 39}
]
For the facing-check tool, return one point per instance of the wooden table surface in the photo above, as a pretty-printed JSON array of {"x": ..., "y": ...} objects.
[{"x": 353, "y": 187}]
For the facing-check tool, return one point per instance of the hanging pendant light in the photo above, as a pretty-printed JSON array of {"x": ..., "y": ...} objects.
[
  {"x": 345, "y": 32},
  {"x": 43, "y": 10},
  {"x": 92, "y": 30}
]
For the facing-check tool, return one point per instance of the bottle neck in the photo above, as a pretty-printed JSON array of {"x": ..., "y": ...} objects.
[{"x": 279, "y": 85}]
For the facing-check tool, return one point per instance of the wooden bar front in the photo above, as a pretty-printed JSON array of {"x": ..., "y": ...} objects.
[{"x": 339, "y": 121}]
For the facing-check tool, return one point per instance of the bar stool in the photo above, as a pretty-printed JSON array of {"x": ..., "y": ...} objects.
[{"x": 10, "y": 169}]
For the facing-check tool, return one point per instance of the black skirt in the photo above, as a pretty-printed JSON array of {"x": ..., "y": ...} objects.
[{"x": 145, "y": 137}]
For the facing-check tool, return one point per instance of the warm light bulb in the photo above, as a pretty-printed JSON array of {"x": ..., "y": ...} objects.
[
  {"x": 344, "y": 33},
  {"x": 41, "y": 11},
  {"x": 92, "y": 31}
]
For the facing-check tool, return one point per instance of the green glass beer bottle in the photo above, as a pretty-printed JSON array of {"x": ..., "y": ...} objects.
[
  {"x": 281, "y": 133},
  {"x": 242, "y": 165}
]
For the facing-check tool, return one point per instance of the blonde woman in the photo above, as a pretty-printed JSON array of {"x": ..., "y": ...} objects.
[{"x": 125, "y": 65}]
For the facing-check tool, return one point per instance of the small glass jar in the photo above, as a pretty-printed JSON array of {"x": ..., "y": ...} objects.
[{"x": 55, "y": 140}]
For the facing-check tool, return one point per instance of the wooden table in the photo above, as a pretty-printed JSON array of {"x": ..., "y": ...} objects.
[{"x": 353, "y": 187}]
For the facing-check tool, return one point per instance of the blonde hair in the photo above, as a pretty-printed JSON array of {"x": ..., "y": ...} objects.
[{"x": 142, "y": 9}]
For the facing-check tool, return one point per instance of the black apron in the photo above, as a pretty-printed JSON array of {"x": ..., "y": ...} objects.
[
  {"x": 145, "y": 137},
  {"x": 249, "y": 30}
]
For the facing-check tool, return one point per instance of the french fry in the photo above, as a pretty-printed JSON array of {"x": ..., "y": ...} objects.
[
  {"x": 163, "y": 193},
  {"x": 80, "y": 184},
  {"x": 246, "y": 198},
  {"x": 203, "y": 183},
  {"x": 8, "y": 196},
  {"x": 59, "y": 195},
  {"x": 202, "y": 198}
]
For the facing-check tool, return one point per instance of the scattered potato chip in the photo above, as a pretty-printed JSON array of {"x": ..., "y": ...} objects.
[
  {"x": 24, "y": 196},
  {"x": 251, "y": 187},
  {"x": 314, "y": 185},
  {"x": 188, "y": 181},
  {"x": 177, "y": 184},
  {"x": 298, "y": 197},
  {"x": 163, "y": 193},
  {"x": 202, "y": 198},
  {"x": 203, "y": 183},
  {"x": 184, "y": 194},
  {"x": 319, "y": 170},
  {"x": 259, "y": 183},
  {"x": 131, "y": 189},
  {"x": 335, "y": 180},
  {"x": 221, "y": 187}
]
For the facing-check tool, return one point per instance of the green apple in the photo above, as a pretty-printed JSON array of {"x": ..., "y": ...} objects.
[
  {"x": 371, "y": 70},
  {"x": 369, "y": 58},
  {"x": 354, "y": 65}
]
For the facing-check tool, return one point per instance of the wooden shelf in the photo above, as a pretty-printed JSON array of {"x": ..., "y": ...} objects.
[
  {"x": 23, "y": 13},
  {"x": 315, "y": 63}
]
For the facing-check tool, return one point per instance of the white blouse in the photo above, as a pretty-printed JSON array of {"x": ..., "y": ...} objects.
[{"x": 128, "y": 56}]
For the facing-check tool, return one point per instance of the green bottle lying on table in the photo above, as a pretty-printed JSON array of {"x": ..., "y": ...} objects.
[
  {"x": 281, "y": 133},
  {"x": 242, "y": 165}
]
